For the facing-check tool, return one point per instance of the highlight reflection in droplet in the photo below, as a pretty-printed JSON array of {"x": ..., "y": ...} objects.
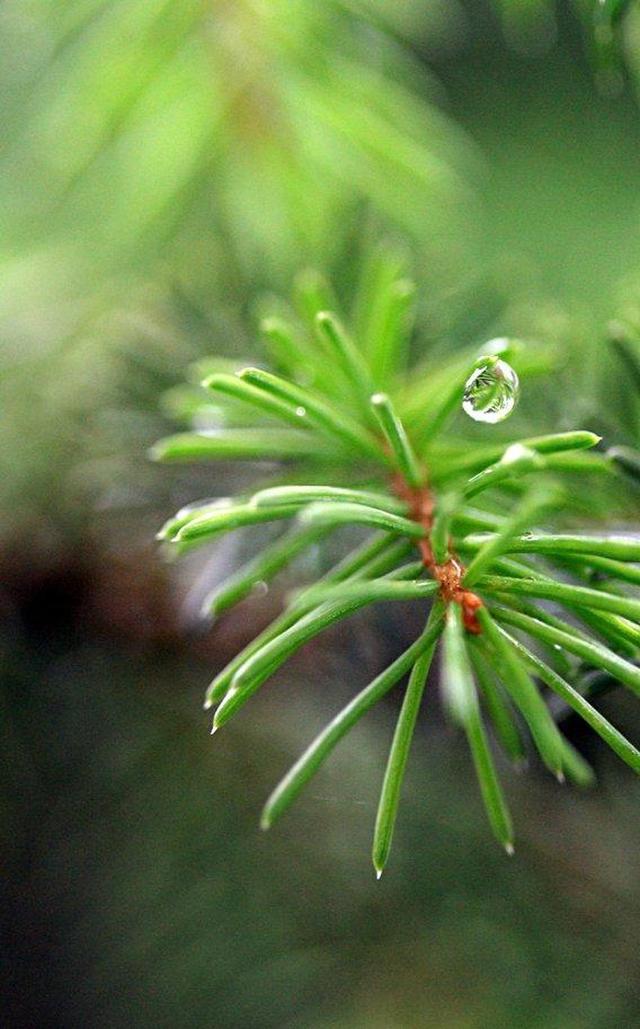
[{"x": 491, "y": 392}]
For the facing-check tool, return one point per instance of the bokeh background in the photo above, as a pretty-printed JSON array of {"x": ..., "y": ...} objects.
[{"x": 164, "y": 169}]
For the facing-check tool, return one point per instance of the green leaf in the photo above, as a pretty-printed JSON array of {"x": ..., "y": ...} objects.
[
  {"x": 611, "y": 736},
  {"x": 226, "y": 519},
  {"x": 611, "y": 627},
  {"x": 430, "y": 386},
  {"x": 577, "y": 769},
  {"x": 186, "y": 514},
  {"x": 570, "y": 761},
  {"x": 524, "y": 694},
  {"x": 621, "y": 548},
  {"x": 459, "y": 692},
  {"x": 375, "y": 589},
  {"x": 397, "y": 761},
  {"x": 581, "y": 464},
  {"x": 306, "y": 766},
  {"x": 470, "y": 518},
  {"x": 389, "y": 346},
  {"x": 287, "y": 349},
  {"x": 331, "y": 417},
  {"x": 618, "y": 633},
  {"x": 351, "y": 514},
  {"x": 441, "y": 529},
  {"x": 559, "y": 656},
  {"x": 462, "y": 701},
  {"x": 477, "y": 458},
  {"x": 382, "y": 316},
  {"x": 595, "y": 653},
  {"x": 259, "y": 399},
  {"x": 302, "y": 495},
  {"x": 497, "y": 707},
  {"x": 526, "y": 513},
  {"x": 317, "y": 412},
  {"x": 347, "y": 356},
  {"x": 396, "y": 436},
  {"x": 271, "y": 560},
  {"x": 492, "y": 795},
  {"x": 610, "y": 569},
  {"x": 312, "y": 294},
  {"x": 566, "y": 594},
  {"x": 248, "y": 444},
  {"x": 374, "y": 557},
  {"x": 516, "y": 460},
  {"x": 261, "y": 664}
]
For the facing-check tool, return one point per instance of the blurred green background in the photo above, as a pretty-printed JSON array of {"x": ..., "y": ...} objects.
[{"x": 164, "y": 168}]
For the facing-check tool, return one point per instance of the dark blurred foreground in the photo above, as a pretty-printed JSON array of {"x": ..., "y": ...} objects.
[{"x": 140, "y": 891}]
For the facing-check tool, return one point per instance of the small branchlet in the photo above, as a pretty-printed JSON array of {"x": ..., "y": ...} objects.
[{"x": 459, "y": 527}]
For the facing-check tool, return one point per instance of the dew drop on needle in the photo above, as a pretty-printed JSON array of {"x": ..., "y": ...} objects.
[{"x": 491, "y": 392}]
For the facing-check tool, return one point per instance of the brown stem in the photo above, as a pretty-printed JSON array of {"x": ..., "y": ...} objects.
[{"x": 449, "y": 575}]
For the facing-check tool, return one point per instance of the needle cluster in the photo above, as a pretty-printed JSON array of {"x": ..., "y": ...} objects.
[{"x": 363, "y": 438}]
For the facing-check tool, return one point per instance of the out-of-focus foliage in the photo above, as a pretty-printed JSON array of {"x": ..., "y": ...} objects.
[
  {"x": 163, "y": 161},
  {"x": 138, "y": 890},
  {"x": 144, "y": 895},
  {"x": 169, "y": 158},
  {"x": 262, "y": 125}
]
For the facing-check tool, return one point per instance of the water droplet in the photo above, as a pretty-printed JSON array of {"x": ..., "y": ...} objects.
[
  {"x": 260, "y": 588},
  {"x": 491, "y": 392},
  {"x": 556, "y": 646},
  {"x": 301, "y": 412}
]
